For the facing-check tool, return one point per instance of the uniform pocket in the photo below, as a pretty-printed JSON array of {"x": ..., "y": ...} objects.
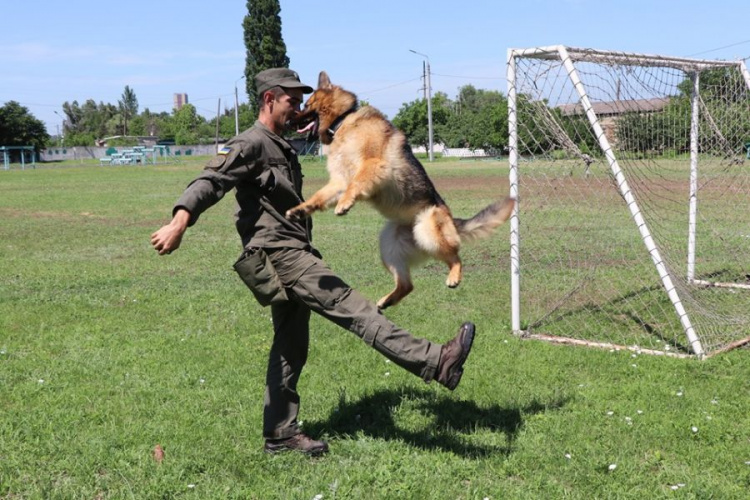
[{"x": 257, "y": 272}]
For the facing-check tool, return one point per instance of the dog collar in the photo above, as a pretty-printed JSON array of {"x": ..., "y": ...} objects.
[{"x": 337, "y": 122}]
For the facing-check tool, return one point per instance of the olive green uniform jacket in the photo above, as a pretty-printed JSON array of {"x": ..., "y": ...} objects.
[{"x": 256, "y": 162}]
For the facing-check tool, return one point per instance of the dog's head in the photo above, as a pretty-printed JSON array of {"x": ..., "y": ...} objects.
[{"x": 324, "y": 106}]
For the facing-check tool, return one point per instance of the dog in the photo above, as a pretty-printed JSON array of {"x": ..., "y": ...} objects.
[{"x": 370, "y": 159}]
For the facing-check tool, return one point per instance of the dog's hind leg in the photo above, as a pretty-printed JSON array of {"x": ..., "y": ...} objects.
[
  {"x": 436, "y": 234},
  {"x": 455, "y": 273},
  {"x": 396, "y": 248},
  {"x": 365, "y": 183}
]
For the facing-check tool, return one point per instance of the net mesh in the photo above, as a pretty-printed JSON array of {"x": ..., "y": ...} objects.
[{"x": 585, "y": 270}]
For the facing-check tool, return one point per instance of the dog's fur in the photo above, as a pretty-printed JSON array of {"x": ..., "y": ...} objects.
[{"x": 369, "y": 159}]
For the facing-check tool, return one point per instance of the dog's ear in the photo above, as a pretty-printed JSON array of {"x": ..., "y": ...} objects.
[{"x": 323, "y": 81}]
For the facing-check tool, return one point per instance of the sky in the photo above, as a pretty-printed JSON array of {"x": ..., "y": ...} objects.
[{"x": 53, "y": 52}]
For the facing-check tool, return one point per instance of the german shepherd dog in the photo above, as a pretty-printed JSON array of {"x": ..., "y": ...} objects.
[{"x": 369, "y": 159}]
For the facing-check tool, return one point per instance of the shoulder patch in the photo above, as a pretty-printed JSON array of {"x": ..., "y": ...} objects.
[{"x": 216, "y": 162}]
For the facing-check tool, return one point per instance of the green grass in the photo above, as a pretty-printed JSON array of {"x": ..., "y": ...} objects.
[{"x": 107, "y": 349}]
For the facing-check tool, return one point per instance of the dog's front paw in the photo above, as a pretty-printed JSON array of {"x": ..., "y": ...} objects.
[
  {"x": 297, "y": 213},
  {"x": 342, "y": 208}
]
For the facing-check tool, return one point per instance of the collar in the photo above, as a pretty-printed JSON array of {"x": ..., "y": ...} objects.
[{"x": 339, "y": 120}]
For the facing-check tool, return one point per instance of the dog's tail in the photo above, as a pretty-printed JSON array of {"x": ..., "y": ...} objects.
[{"x": 483, "y": 223}]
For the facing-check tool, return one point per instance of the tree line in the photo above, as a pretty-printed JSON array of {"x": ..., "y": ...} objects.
[
  {"x": 87, "y": 123},
  {"x": 475, "y": 118}
]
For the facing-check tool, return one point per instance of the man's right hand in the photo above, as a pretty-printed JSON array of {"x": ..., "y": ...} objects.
[{"x": 168, "y": 238}]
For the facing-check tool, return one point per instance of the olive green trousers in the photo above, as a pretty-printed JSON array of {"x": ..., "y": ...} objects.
[{"x": 312, "y": 286}]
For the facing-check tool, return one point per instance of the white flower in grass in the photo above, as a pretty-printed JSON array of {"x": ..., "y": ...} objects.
[
  {"x": 387, "y": 361},
  {"x": 747, "y": 463},
  {"x": 3, "y": 351},
  {"x": 387, "y": 374},
  {"x": 678, "y": 393},
  {"x": 694, "y": 429},
  {"x": 714, "y": 402},
  {"x": 202, "y": 381},
  {"x": 191, "y": 486},
  {"x": 628, "y": 420},
  {"x": 612, "y": 467},
  {"x": 319, "y": 496},
  {"x": 610, "y": 413},
  {"x": 634, "y": 365},
  {"x": 41, "y": 380},
  {"x": 568, "y": 456}
]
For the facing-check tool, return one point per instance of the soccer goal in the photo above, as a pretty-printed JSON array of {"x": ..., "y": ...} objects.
[{"x": 632, "y": 173}]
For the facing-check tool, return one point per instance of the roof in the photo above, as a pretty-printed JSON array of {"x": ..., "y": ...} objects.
[{"x": 617, "y": 107}]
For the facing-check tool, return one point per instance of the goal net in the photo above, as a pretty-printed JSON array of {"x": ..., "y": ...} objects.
[{"x": 633, "y": 178}]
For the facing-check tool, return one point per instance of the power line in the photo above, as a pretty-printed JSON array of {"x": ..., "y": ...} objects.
[
  {"x": 719, "y": 48},
  {"x": 471, "y": 77},
  {"x": 390, "y": 86}
]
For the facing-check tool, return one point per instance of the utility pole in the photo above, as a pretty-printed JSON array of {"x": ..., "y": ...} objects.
[
  {"x": 218, "y": 115},
  {"x": 62, "y": 137},
  {"x": 428, "y": 89},
  {"x": 236, "y": 108}
]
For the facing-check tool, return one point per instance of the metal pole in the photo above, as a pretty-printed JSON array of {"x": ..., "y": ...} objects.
[
  {"x": 515, "y": 253},
  {"x": 62, "y": 137},
  {"x": 429, "y": 109},
  {"x": 236, "y": 108},
  {"x": 236, "y": 113},
  {"x": 429, "y": 103},
  {"x": 218, "y": 114},
  {"x": 693, "y": 213}
]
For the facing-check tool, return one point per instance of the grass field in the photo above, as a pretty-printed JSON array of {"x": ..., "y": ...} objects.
[{"x": 107, "y": 350}]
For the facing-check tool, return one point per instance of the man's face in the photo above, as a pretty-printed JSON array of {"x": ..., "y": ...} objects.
[{"x": 286, "y": 107}]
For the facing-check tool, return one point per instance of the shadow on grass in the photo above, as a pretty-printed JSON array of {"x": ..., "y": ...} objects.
[{"x": 453, "y": 421}]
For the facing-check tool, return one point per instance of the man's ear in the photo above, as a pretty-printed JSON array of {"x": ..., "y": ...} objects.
[{"x": 268, "y": 97}]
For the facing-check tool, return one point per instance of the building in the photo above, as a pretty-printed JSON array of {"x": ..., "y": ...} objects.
[
  {"x": 180, "y": 100},
  {"x": 609, "y": 112}
]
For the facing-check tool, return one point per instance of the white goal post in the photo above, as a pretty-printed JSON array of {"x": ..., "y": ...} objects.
[{"x": 632, "y": 173}]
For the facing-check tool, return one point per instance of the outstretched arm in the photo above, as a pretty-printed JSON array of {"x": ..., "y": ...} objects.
[{"x": 168, "y": 237}]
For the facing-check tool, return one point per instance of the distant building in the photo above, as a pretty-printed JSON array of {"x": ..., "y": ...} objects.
[
  {"x": 609, "y": 112},
  {"x": 180, "y": 100}
]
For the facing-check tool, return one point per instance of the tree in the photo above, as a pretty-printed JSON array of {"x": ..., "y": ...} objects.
[
  {"x": 18, "y": 127},
  {"x": 481, "y": 118},
  {"x": 411, "y": 119},
  {"x": 186, "y": 123},
  {"x": 263, "y": 41},
  {"x": 128, "y": 105}
]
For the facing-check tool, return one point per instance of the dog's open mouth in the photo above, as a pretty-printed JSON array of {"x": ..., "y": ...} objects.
[{"x": 307, "y": 123}]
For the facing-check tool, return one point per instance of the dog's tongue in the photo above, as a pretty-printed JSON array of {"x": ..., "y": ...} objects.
[{"x": 307, "y": 128}]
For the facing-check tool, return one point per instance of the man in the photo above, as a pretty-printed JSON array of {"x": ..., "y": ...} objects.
[{"x": 282, "y": 269}]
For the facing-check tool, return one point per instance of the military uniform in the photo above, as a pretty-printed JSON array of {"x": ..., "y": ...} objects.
[{"x": 264, "y": 170}]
